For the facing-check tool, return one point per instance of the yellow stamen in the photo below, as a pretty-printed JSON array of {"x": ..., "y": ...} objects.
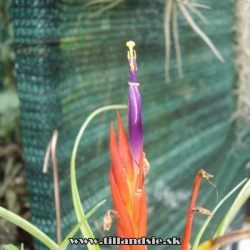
[{"x": 131, "y": 54}]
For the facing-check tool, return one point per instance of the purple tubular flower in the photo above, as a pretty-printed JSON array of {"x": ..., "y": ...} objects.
[
  {"x": 132, "y": 65},
  {"x": 134, "y": 107}
]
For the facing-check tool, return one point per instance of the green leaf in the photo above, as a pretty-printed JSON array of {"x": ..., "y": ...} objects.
[
  {"x": 11, "y": 247},
  {"x": 8, "y": 247},
  {"x": 28, "y": 227},
  {"x": 234, "y": 209},
  {"x": 65, "y": 242},
  {"x": 85, "y": 228}
]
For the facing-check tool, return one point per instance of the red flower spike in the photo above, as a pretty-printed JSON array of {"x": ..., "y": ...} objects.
[
  {"x": 133, "y": 215},
  {"x": 129, "y": 167},
  {"x": 143, "y": 218},
  {"x": 137, "y": 199},
  {"x": 190, "y": 213},
  {"x": 126, "y": 222},
  {"x": 118, "y": 172},
  {"x": 119, "y": 230},
  {"x": 121, "y": 235},
  {"x": 125, "y": 153}
]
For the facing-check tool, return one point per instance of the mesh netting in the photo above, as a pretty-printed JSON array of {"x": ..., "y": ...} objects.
[{"x": 68, "y": 65}]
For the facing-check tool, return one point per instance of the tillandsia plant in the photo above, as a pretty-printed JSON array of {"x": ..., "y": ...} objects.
[
  {"x": 170, "y": 12},
  {"x": 129, "y": 168}
]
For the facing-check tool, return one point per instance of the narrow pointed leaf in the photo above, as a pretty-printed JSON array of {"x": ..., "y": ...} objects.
[
  {"x": 127, "y": 227},
  {"x": 125, "y": 151},
  {"x": 117, "y": 169}
]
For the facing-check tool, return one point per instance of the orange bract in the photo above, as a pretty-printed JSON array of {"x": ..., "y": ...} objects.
[{"x": 127, "y": 188}]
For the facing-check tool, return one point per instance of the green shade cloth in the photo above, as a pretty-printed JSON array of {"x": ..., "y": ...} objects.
[{"x": 68, "y": 65}]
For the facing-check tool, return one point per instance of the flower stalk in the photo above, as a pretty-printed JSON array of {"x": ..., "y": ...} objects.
[
  {"x": 134, "y": 106},
  {"x": 128, "y": 168},
  {"x": 190, "y": 213}
]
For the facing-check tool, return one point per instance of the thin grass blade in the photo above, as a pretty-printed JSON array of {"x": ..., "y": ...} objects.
[
  {"x": 199, "y": 31},
  {"x": 109, "y": 6},
  {"x": 71, "y": 234},
  {"x": 198, "y": 13},
  {"x": 167, "y": 14},
  {"x": 93, "y": 2},
  {"x": 28, "y": 227},
  {"x": 85, "y": 228},
  {"x": 8, "y": 247},
  {"x": 238, "y": 203},
  {"x": 195, "y": 5},
  {"x": 177, "y": 41}
]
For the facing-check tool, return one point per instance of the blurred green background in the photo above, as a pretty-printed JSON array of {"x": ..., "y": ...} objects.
[{"x": 61, "y": 60}]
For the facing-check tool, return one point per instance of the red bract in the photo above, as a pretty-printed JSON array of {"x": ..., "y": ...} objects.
[
  {"x": 192, "y": 208},
  {"x": 127, "y": 188}
]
